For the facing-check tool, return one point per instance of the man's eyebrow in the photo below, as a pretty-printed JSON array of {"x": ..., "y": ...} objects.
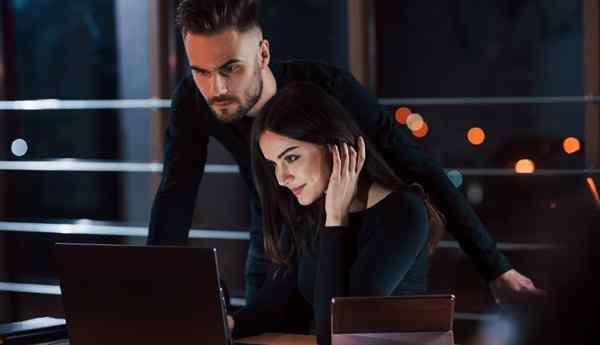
[
  {"x": 286, "y": 151},
  {"x": 229, "y": 62}
]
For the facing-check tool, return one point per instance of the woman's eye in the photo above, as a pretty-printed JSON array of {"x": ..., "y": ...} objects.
[{"x": 291, "y": 158}]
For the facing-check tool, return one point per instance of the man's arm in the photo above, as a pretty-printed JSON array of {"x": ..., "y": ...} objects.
[
  {"x": 185, "y": 158},
  {"x": 413, "y": 165}
]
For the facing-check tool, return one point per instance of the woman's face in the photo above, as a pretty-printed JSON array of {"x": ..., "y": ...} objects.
[{"x": 302, "y": 167}]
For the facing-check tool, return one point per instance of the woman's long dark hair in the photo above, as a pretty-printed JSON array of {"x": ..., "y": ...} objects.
[{"x": 305, "y": 112}]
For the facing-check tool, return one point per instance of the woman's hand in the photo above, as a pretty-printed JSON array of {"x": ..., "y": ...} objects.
[{"x": 343, "y": 182}]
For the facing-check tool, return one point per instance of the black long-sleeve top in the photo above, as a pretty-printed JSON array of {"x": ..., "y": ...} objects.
[
  {"x": 382, "y": 252},
  {"x": 192, "y": 123}
]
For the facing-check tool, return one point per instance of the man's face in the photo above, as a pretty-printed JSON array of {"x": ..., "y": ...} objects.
[{"x": 227, "y": 70}]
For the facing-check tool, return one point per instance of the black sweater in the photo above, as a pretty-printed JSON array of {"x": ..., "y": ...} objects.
[
  {"x": 382, "y": 252},
  {"x": 192, "y": 123}
]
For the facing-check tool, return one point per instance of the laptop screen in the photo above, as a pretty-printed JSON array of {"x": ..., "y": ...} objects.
[{"x": 117, "y": 294}]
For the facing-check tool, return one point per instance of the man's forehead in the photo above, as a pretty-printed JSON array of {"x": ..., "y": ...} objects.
[{"x": 212, "y": 51}]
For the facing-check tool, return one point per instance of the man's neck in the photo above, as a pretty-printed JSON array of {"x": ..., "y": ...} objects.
[{"x": 269, "y": 89}]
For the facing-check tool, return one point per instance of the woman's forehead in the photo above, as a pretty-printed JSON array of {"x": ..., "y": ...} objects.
[{"x": 273, "y": 144}]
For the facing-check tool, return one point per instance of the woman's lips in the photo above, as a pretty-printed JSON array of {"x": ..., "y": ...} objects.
[{"x": 298, "y": 190}]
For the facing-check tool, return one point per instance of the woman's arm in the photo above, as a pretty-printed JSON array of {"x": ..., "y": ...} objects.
[
  {"x": 396, "y": 236},
  {"x": 278, "y": 307}
]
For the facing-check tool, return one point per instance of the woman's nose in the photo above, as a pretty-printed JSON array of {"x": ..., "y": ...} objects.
[{"x": 283, "y": 176}]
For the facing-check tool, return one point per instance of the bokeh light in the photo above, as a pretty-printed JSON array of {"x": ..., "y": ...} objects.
[
  {"x": 571, "y": 145},
  {"x": 475, "y": 193},
  {"x": 19, "y": 147},
  {"x": 476, "y": 136},
  {"x": 414, "y": 122},
  {"x": 455, "y": 177},
  {"x": 524, "y": 166},
  {"x": 422, "y": 132},
  {"x": 594, "y": 190},
  {"x": 402, "y": 114}
]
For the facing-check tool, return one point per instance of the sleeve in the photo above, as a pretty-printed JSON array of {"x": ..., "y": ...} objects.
[
  {"x": 394, "y": 243},
  {"x": 278, "y": 307},
  {"x": 183, "y": 166},
  {"x": 413, "y": 165}
]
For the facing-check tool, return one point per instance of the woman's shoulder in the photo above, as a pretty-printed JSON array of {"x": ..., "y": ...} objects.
[{"x": 384, "y": 199}]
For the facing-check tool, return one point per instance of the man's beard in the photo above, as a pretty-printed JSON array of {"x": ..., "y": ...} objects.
[{"x": 251, "y": 95}]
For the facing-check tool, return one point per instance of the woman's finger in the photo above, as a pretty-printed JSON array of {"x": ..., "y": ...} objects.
[
  {"x": 362, "y": 153},
  {"x": 345, "y": 160},
  {"x": 335, "y": 171},
  {"x": 353, "y": 160}
]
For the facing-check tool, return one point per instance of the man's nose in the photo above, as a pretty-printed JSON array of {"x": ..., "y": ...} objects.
[{"x": 219, "y": 85}]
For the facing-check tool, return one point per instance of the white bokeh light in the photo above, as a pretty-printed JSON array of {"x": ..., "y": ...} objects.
[
  {"x": 19, "y": 147},
  {"x": 475, "y": 193}
]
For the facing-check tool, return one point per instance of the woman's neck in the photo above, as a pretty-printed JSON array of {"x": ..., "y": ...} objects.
[
  {"x": 368, "y": 194},
  {"x": 360, "y": 201}
]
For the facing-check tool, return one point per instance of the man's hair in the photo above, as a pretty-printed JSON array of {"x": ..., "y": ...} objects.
[{"x": 214, "y": 16}]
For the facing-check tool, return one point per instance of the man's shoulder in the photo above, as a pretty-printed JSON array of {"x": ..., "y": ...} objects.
[
  {"x": 187, "y": 98},
  {"x": 185, "y": 89},
  {"x": 310, "y": 70}
]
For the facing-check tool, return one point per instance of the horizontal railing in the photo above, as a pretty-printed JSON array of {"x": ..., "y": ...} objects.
[
  {"x": 154, "y": 103},
  {"x": 88, "y": 228},
  {"x": 235, "y": 301},
  {"x": 83, "y": 165}
]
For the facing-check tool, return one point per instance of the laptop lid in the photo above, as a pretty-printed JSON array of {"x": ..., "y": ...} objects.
[
  {"x": 151, "y": 295},
  {"x": 424, "y": 319}
]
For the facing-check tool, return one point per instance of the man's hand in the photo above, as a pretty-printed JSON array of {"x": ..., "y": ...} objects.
[{"x": 512, "y": 287}]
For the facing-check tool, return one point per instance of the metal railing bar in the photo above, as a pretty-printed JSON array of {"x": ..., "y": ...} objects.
[
  {"x": 102, "y": 166},
  {"x": 115, "y": 166},
  {"x": 154, "y": 103},
  {"x": 486, "y": 100},
  {"x": 88, "y": 228},
  {"x": 47, "y": 289},
  {"x": 113, "y": 230},
  {"x": 58, "y": 104}
]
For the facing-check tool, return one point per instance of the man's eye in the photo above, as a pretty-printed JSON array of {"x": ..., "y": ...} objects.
[
  {"x": 230, "y": 69},
  {"x": 291, "y": 158},
  {"x": 201, "y": 73}
]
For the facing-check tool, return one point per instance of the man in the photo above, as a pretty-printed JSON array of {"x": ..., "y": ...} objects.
[{"x": 232, "y": 78}]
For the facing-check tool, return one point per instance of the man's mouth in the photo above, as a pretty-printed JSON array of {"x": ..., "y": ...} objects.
[{"x": 223, "y": 103}]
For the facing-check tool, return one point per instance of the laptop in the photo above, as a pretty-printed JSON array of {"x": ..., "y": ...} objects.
[
  {"x": 417, "y": 319},
  {"x": 151, "y": 295}
]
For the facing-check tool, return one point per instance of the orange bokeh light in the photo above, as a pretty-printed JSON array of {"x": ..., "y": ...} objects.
[
  {"x": 414, "y": 122},
  {"x": 571, "y": 145},
  {"x": 476, "y": 135},
  {"x": 402, "y": 114},
  {"x": 593, "y": 189},
  {"x": 524, "y": 166},
  {"x": 421, "y": 132}
]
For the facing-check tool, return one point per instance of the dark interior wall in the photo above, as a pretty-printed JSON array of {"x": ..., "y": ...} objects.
[
  {"x": 64, "y": 52},
  {"x": 499, "y": 48},
  {"x": 307, "y": 29},
  {"x": 485, "y": 49},
  {"x": 6, "y": 74}
]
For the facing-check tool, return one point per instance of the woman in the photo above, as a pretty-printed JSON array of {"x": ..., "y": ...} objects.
[{"x": 336, "y": 217}]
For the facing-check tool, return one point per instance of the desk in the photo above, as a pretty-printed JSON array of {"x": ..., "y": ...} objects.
[{"x": 279, "y": 339}]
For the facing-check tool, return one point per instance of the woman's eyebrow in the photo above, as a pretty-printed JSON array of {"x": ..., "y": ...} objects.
[{"x": 286, "y": 151}]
